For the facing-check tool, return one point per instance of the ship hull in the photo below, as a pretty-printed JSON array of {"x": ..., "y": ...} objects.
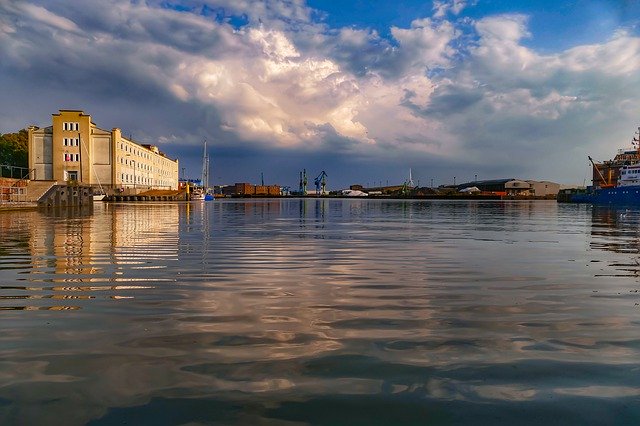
[{"x": 617, "y": 196}]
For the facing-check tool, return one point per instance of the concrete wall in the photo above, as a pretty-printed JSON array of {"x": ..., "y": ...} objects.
[{"x": 41, "y": 153}]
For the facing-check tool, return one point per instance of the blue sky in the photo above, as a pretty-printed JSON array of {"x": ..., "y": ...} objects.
[
  {"x": 554, "y": 25},
  {"x": 362, "y": 89}
]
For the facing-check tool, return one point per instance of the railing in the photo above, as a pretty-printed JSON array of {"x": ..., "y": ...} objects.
[
  {"x": 23, "y": 180},
  {"x": 13, "y": 194},
  {"x": 17, "y": 170}
]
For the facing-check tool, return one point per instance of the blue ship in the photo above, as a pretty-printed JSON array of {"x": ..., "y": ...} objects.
[
  {"x": 626, "y": 189},
  {"x": 614, "y": 196}
]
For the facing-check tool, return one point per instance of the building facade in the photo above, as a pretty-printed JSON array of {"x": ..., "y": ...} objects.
[{"x": 74, "y": 149}]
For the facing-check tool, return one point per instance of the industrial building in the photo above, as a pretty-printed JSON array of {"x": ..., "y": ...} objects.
[
  {"x": 74, "y": 149},
  {"x": 514, "y": 187},
  {"x": 250, "y": 190}
]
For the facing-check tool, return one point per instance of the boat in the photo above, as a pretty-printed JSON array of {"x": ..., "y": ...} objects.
[
  {"x": 197, "y": 195},
  {"x": 621, "y": 187}
]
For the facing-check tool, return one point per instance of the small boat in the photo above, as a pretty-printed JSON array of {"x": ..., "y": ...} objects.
[{"x": 198, "y": 195}]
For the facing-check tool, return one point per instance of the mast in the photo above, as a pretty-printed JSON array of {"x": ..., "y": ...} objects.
[{"x": 205, "y": 167}]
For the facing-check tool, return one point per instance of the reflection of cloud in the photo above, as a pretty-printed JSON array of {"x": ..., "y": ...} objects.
[
  {"x": 315, "y": 301},
  {"x": 600, "y": 391}
]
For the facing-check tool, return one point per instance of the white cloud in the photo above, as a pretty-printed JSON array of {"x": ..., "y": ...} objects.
[
  {"x": 427, "y": 43},
  {"x": 285, "y": 81},
  {"x": 441, "y": 8}
]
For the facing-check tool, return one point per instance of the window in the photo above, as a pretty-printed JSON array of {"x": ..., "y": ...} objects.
[
  {"x": 70, "y": 126},
  {"x": 70, "y": 157}
]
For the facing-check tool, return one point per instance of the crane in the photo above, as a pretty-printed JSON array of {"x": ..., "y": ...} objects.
[
  {"x": 321, "y": 183},
  {"x": 303, "y": 182}
]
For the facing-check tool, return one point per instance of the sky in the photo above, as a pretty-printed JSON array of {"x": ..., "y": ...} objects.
[{"x": 364, "y": 90}]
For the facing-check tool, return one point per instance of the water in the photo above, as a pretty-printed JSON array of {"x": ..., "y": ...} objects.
[{"x": 353, "y": 312}]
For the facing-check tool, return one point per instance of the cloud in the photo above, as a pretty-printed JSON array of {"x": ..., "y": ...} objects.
[
  {"x": 438, "y": 92},
  {"x": 506, "y": 101},
  {"x": 441, "y": 8}
]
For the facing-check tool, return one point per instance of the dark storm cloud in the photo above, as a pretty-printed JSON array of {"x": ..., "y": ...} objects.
[{"x": 274, "y": 90}]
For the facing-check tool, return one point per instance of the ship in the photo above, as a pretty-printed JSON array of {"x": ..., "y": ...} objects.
[{"x": 615, "y": 182}]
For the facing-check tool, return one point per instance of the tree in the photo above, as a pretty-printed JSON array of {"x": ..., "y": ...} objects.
[{"x": 14, "y": 149}]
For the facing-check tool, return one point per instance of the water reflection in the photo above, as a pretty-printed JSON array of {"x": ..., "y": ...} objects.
[
  {"x": 319, "y": 311},
  {"x": 85, "y": 250}
]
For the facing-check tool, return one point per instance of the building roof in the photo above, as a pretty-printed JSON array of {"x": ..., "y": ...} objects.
[{"x": 484, "y": 182}]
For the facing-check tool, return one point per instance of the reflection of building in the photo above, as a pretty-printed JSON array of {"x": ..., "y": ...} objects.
[
  {"x": 80, "y": 243},
  {"x": 74, "y": 149}
]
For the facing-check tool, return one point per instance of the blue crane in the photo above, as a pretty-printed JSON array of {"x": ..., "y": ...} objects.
[{"x": 321, "y": 183}]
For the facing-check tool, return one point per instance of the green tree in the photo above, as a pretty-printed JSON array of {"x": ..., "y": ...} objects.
[{"x": 14, "y": 149}]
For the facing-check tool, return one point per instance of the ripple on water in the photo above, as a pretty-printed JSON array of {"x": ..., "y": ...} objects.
[{"x": 320, "y": 311}]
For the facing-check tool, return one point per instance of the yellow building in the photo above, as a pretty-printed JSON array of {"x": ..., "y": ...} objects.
[{"x": 73, "y": 149}]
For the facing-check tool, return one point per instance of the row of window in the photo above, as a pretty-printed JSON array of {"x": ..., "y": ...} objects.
[
  {"x": 71, "y": 157},
  {"x": 134, "y": 163},
  {"x": 67, "y": 125},
  {"x": 127, "y": 148},
  {"x": 71, "y": 141},
  {"x": 127, "y": 178}
]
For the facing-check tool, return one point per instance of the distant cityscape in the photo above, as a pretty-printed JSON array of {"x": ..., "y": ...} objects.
[{"x": 73, "y": 150}]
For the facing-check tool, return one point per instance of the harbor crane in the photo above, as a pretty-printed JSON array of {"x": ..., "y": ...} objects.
[
  {"x": 321, "y": 183},
  {"x": 303, "y": 182}
]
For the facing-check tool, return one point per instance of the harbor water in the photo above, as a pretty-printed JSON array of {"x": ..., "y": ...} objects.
[{"x": 320, "y": 311}]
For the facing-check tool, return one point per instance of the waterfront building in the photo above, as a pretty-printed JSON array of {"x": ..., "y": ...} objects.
[
  {"x": 247, "y": 190},
  {"x": 74, "y": 149},
  {"x": 514, "y": 187}
]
